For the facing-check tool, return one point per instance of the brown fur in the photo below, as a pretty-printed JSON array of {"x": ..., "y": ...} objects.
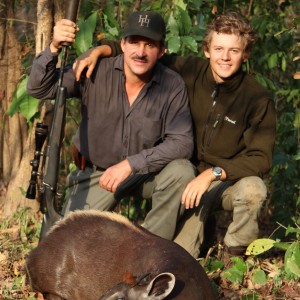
[{"x": 87, "y": 253}]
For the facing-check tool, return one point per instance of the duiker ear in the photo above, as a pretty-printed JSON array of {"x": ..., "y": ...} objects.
[{"x": 161, "y": 286}]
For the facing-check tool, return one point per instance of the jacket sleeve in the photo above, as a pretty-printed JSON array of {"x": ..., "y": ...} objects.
[
  {"x": 115, "y": 46},
  {"x": 259, "y": 137},
  {"x": 177, "y": 138},
  {"x": 43, "y": 79}
]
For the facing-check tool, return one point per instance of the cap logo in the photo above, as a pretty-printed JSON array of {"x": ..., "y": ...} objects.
[{"x": 144, "y": 21}]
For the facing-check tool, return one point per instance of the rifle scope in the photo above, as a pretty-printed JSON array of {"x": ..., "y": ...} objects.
[{"x": 41, "y": 133}]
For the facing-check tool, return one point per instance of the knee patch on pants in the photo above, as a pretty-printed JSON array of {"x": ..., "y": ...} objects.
[{"x": 250, "y": 191}]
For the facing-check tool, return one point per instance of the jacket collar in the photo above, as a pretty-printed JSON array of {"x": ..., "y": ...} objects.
[{"x": 227, "y": 86}]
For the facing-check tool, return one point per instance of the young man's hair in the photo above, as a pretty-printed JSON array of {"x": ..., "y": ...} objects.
[{"x": 231, "y": 23}]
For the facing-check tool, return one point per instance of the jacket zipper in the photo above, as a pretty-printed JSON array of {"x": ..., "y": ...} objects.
[
  {"x": 214, "y": 95},
  {"x": 213, "y": 129}
]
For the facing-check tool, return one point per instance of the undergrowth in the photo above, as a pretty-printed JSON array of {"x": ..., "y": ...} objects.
[{"x": 270, "y": 271}]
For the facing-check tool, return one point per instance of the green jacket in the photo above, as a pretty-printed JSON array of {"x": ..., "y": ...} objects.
[{"x": 235, "y": 121}]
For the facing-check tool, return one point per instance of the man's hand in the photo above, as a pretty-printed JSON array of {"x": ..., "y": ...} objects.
[
  {"x": 63, "y": 31},
  {"x": 197, "y": 187},
  {"x": 114, "y": 175},
  {"x": 89, "y": 59}
]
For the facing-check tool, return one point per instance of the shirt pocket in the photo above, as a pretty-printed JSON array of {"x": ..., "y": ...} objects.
[{"x": 151, "y": 132}]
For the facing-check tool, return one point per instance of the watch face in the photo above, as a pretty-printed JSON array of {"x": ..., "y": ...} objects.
[{"x": 217, "y": 172}]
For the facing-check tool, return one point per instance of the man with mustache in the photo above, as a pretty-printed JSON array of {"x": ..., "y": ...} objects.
[
  {"x": 135, "y": 135},
  {"x": 235, "y": 124}
]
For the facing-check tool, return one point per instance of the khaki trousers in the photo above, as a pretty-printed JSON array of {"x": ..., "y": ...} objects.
[
  {"x": 164, "y": 190},
  {"x": 244, "y": 197}
]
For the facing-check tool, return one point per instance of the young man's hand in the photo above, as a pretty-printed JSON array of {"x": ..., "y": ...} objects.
[
  {"x": 197, "y": 187},
  {"x": 89, "y": 59}
]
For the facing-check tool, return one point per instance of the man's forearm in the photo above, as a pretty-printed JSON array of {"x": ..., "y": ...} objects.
[{"x": 41, "y": 82}]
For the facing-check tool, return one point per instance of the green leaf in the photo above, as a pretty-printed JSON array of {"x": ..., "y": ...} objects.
[
  {"x": 172, "y": 27},
  {"x": 190, "y": 43},
  {"x": 292, "y": 259},
  {"x": 297, "y": 119},
  {"x": 291, "y": 229},
  {"x": 259, "y": 246},
  {"x": 236, "y": 273},
  {"x": 22, "y": 102},
  {"x": 240, "y": 264},
  {"x": 297, "y": 156},
  {"x": 183, "y": 20},
  {"x": 282, "y": 245},
  {"x": 174, "y": 44},
  {"x": 180, "y": 3},
  {"x": 283, "y": 64},
  {"x": 113, "y": 30},
  {"x": 252, "y": 296},
  {"x": 215, "y": 265},
  {"x": 259, "y": 277},
  {"x": 84, "y": 38},
  {"x": 272, "y": 60}
]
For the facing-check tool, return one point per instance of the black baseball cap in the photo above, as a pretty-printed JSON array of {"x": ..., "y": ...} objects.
[{"x": 148, "y": 24}]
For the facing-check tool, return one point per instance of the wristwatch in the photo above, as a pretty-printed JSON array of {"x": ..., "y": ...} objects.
[{"x": 217, "y": 171}]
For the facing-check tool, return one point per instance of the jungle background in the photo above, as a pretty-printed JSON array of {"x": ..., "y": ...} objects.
[{"x": 271, "y": 270}]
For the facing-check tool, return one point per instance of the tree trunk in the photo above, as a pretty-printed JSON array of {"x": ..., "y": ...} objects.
[
  {"x": 17, "y": 143},
  {"x": 15, "y": 131},
  {"x": 44, "y": 24}
]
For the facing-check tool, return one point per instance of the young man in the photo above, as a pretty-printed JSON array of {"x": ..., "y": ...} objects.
[
  {"x": 135, "y": 120},
  {"x": 234, "y": 119}
]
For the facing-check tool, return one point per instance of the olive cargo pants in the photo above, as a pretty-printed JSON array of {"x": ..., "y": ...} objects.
[
  {"x": 244, "y": 197},
  {"x": 164, "y": 189}
]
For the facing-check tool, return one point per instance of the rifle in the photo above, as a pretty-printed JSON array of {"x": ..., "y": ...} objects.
[{"x": 48, "y": 190}]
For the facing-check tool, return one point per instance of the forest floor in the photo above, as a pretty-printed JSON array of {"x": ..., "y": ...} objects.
[{"x": 19, "y": 235}]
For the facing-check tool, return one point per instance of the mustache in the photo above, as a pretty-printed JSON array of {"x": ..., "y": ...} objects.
[{"x": 142, "y": 58}]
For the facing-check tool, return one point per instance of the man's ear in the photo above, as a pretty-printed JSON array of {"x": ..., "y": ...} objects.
[
  {"x": 122, "y": 43},
  {"x": 163, "y": 50},
  {"x": 206, "y": 53},
  {"x": 245, "y": 58}
]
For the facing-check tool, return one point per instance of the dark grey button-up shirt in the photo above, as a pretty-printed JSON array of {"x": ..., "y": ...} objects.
[{"x": 155, "y": 130}]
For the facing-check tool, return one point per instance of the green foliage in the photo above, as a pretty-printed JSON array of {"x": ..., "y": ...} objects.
[
  {"x": 272, "y": 60},
  {"x": 84, "y": 38},
  {"x": 236, "y": 272},
  {"x": 292, "y": 260},
  {"x": 212, "y": 265},
  {"x": 252, "y": 296},
  {"x": 292, "y": 254},
  {"x": 23, "y": 103},
  {"x": 18, "y": 236},
  {"x": 29, "y": 226},
  {"x": 259, "y": 277}
]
